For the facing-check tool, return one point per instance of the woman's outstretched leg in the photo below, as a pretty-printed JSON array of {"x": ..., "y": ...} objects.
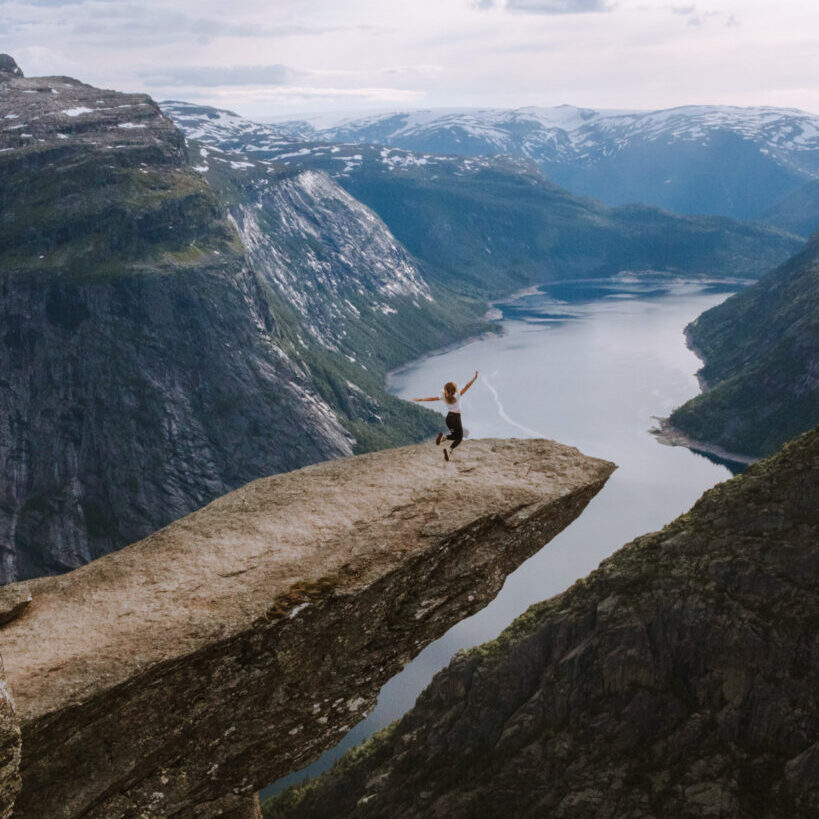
[{"x": 453, "y": 421}]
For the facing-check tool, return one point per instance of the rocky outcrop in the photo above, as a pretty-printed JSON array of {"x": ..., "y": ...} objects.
[
  {"x": 761, "y": 363},
  {"x": 9, "y": 67},
  {"x": 678, "y": 680},
  {"x": 177, "y": 676}
]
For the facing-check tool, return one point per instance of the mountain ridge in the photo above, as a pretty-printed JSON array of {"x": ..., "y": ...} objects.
[{"x": 726, "y": 160}]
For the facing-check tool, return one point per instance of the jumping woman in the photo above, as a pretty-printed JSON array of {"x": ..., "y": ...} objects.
[{"x": 451, "y": 398}]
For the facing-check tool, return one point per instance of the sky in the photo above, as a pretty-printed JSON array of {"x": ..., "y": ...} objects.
[{"x": 274, "y": 58}]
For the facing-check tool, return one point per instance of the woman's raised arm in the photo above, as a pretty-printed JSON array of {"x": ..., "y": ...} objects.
[
  {"x": 434, "y": 398},
  {"x": 470, "y": 383}
]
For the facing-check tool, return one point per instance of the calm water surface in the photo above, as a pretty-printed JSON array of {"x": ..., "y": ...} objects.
[{"x": 588, "y": 364}]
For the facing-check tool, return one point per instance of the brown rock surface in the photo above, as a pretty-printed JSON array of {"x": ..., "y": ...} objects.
[{"x": 236, "y": 644}]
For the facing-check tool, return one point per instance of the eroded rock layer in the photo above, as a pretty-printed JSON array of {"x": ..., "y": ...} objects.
[
  {"x": 677, "y": 680},
  {"x": 177, "y": 676}
]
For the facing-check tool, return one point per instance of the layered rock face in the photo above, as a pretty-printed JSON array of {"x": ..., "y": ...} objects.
[
  {"x": 147, "y": 364},
  {"x": 678, "y": 679},
  {"x": 179, "y": 675},
  {"x": 9, "y": 746},
  {"x": 761, "y": 370}
]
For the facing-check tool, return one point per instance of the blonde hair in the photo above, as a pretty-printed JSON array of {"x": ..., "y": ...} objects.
[{"x": 450, "y": 388}]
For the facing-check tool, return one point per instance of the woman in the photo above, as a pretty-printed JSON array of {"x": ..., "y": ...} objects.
[{"x": 451, "y": 398}]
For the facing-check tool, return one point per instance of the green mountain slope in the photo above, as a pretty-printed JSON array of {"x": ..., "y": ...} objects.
[
  {"x": 148, "y": 362},
  {"x": 798, "y": 212},
  {"x": 761, "y": 353}
]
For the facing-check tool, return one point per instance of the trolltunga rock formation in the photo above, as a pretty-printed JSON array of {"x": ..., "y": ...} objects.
[
  {"x": 677, "y": 680},
  {"x": 179, "y": 675}
]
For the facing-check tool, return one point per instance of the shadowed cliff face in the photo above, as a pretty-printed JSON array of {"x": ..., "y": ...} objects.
[
  {"x": 148, "y": 362},
  {"x": 182, "y": 673},
  {"x": 677, "y": 680}
]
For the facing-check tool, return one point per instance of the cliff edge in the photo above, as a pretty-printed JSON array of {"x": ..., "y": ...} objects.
[
  {"x": 678, "y": 680},
  {"x": 177, "y": 676}
]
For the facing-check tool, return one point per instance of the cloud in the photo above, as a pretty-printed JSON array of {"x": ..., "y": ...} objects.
[
  {"x": 241, "y": 97},
  {"x": 557, "y": 6},
  {"x": 544, "y": 6},
  {"x": 683, "y": 10},
  {"x": 212, "y": 76}
]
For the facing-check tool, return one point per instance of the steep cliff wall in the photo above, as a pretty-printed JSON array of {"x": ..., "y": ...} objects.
[
  {"x": 677, "y": 680},
  {"x": 177, "y": 676},
  {"x": 146, "y": 365}
]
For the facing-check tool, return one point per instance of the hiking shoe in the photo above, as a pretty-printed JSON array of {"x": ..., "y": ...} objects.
[
  {"x": 439, "y": 439},
  {"x": 446, "y": 454}
]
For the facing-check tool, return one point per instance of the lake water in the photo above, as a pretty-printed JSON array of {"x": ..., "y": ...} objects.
[{"x": 588, "y": 364}]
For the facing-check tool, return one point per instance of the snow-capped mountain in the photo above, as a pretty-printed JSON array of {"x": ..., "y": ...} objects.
[
  {"x": 481, "y": 224},
  {"x": 694, "y": 159}
]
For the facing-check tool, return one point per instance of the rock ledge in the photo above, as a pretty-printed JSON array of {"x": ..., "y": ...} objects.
[{"x": 180, "y": 674}]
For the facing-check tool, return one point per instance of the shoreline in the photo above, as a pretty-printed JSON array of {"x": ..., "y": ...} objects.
[
  {"x": 689, "y": 342},
  {"x": 668, "y": 435},
  {"x": 454, "y": 345}
]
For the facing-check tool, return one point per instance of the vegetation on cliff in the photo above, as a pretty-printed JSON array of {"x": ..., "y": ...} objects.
[{"x": 761, "y": 354}]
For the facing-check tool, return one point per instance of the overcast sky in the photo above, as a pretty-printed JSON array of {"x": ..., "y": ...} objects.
[{"x": 266, "y": 58}]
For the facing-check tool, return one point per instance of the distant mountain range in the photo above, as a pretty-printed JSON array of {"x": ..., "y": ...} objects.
[
  {"x": 488, "y": 225},
  {"x": 737, "y": 162}
]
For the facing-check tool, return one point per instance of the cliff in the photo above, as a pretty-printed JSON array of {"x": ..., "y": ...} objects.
[
  {"x": 761, "y": 362},
  {"x": 678, "y": 679},
  {"x": 179, "y": 675},
  {"x": 148, "y": 364}
]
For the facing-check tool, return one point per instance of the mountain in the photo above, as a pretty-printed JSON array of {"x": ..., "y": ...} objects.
[
  {"x": 798, "y": 212},
  {"x": 485, "y": 226},
  {"x": 150, "y": 361},
  {"x": 761, "y": 354},
  {"x": 678, "y": 679},
  {"x": 724, "y": 160}
]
